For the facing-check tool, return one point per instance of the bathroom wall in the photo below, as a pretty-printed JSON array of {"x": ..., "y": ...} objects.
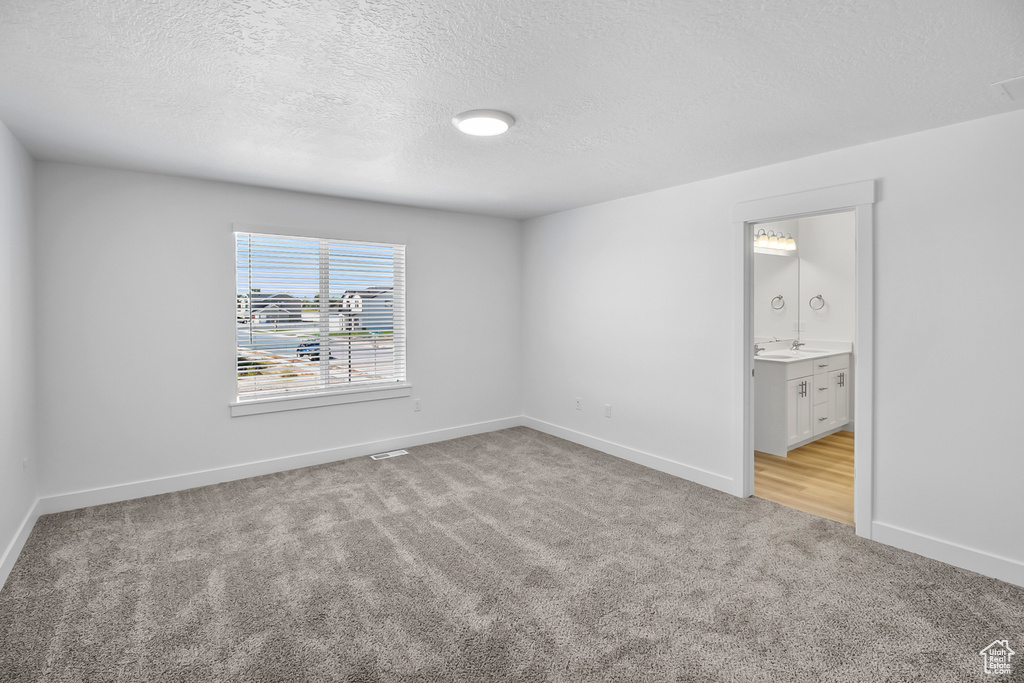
[{"x": 827, "y": 258}]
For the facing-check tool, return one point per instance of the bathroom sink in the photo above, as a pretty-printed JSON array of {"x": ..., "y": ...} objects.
[{"x": 778, "y": 355}]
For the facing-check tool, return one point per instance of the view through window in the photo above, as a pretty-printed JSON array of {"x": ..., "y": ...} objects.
[{"x": 317, "y": 316}]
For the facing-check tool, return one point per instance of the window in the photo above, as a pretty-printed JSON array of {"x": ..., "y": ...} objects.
[{"x": 317, "y": 317}]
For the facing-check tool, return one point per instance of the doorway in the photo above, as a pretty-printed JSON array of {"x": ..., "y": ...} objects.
[
  {"x": 804, "y": 306},
  {"x": 857, "y": 198}
]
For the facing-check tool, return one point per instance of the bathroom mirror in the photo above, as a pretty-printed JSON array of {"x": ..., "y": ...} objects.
[
  {"x": 807, "y": 292},
  {"x": 776, "y": 285}
]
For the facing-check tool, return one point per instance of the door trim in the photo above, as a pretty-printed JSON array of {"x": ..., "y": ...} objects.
[{"x": 859, "y": 197}]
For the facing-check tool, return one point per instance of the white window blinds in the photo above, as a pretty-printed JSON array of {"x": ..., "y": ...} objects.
[{"x": 317, "y": 316}]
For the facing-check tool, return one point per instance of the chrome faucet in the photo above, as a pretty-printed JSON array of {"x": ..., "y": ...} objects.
[
  {"x": 796, "y": 345},
  {"x": 758, "y": 349}
]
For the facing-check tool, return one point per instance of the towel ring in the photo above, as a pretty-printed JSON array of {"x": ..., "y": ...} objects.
[
  {"x": 782, "y": 303},
  {"x": 821, "y": 303}
]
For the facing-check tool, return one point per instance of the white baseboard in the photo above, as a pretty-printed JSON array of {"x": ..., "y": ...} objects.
[
  {"x": 151, "y": 487},
  {"x": 656, "y": 462},
  {"x": 997, "y": 567},
  {"x": 13, "y": 549}
]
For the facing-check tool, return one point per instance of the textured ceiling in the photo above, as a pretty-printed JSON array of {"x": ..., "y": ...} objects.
[{"x": 611, "y": 97}]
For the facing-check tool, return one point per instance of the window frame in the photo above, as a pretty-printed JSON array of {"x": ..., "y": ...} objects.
[{"x": 336, "y": 395}]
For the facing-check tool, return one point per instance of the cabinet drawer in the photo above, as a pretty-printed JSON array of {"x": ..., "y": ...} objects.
[
  {"x": 820, "y": 421},
  {"x": 820, "y": 391},
  {"x": 801, "y": 369},
  {"x": 840, "y": 362},
  {"x": 822, "y": 365}
]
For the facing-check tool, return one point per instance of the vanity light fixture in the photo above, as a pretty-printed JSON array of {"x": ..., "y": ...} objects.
[
  {"x": 773, "y": 240},
  {"x": 483, "y": 122}
]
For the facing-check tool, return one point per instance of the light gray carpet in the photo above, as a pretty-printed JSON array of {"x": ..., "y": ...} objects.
[{"x": 511, "y": 556}]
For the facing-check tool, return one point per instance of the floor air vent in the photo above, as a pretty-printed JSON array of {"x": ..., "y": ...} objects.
[{"x": 389, "y": 454}]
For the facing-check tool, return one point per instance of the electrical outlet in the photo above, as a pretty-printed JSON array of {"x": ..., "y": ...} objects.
[
  {"x": 607, "y": 409},
  {"x": 416, "y": 405},
  {"x": 579, "y": 403}
]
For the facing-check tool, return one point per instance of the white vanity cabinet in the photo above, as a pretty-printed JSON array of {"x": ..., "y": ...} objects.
[{"x": 798, "y": 401}]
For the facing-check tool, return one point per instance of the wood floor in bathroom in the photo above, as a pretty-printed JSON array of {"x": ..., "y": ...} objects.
[{"x": 816, "y": 478}]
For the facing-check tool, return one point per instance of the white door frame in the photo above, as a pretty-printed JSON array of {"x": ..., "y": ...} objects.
[{"x": 860, "y": 197}]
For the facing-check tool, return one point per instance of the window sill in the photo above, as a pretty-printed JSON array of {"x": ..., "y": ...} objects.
[{"x": 278, "y": 404}]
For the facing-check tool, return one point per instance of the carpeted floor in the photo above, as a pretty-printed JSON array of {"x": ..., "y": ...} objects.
[{"x": 511, "y": 556}]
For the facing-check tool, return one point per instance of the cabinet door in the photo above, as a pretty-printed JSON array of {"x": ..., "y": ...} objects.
[
  {"x": 839, "y": 397},
  {"x": 798, "y": 409}
]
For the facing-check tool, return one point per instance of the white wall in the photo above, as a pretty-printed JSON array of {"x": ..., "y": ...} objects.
[
  {"x": 631, "y": 303},
  {"x": 827, "y": 257},
  {"x": 17, "y": 391},
  {"x": 636, "y": 302},
  {"x": 135, "y": 278}
]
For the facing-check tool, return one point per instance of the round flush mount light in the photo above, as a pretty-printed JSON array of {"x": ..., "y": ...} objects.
[{"x": 483, "y": 122}]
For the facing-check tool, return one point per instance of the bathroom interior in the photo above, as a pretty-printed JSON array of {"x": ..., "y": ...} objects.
[{"x": 804, "y": 308}]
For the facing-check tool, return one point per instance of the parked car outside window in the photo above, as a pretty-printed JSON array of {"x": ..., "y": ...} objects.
[{"x": 310, "y": 349}]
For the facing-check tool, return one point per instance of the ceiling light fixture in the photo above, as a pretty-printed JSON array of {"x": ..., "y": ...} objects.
[{"x": 483, "y": 122}]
